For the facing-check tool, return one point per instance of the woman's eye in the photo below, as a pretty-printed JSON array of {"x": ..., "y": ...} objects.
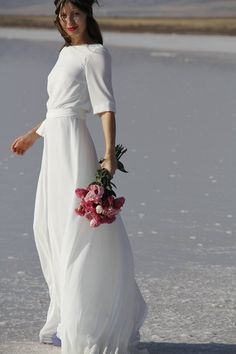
[{"x": 64, "y": 16}]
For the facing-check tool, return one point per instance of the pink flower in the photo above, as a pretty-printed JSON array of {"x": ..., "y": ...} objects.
[
  {"x": 81, "y": 192},
  {"x": 95, "y": 193},
  {"x": 119, "y": 202},
  {"x": 110, "y": 200},
  {"x": 80, "y": 210},
  {"x": 96, "y": 206},
  {"x": 99, "y": 209},
  {"x": 96, "y": 221},
  {"x": 110, "y": 212},
  {"x": 89, "y": 215},
  {"x": 90, "y": 206},
  {"x": 109, "y": 220}
]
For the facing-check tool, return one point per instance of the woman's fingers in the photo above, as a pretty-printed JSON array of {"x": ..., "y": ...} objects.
[
  {"x": 15, "y": 143},
  {"x": 18, "y": 152},
  {"x": 109, "y": 166},
  {"x": 21, "y": 144},
  {"x": 18, "y": 146},
  {"x": 13, "y": 147}
]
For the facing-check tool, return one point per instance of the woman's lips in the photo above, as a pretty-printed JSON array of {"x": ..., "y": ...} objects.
[{"x": 72, "y": 29}]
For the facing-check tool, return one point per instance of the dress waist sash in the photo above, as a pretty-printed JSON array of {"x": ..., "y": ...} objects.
[{"x": 66, "y": 112}]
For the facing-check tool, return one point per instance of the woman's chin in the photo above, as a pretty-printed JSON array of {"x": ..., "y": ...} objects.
[{"x": 73, "y": 34}]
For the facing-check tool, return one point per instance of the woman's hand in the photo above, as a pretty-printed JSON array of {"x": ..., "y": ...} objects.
[
  {"x": 109, "y": 161},
  {"x": 21, "y": 144},
  {"x": 110, "y": 164}
]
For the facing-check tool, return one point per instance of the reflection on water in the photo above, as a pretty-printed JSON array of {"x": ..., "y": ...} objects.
[
  {"x": 176, "y": 115},
  {"x": 170, "y": 8}
]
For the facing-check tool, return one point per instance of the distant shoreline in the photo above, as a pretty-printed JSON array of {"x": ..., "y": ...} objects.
[{"x": 219, "y": 26}]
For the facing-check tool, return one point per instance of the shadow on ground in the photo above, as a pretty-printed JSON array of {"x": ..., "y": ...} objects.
[{"x": 184, "y": 348}]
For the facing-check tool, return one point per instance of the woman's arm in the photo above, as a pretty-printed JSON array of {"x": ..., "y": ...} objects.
[
  {"x": 21, "y": 144},
  {"x": 109, "y": 131}
]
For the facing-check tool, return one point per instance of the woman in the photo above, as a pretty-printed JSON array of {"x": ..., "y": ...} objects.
[{"x": 95, "y": 304}]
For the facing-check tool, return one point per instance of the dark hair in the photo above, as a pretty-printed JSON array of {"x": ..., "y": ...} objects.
[{"x": 86, "y": 6}]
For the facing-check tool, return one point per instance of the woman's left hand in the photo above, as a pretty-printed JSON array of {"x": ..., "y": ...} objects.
[{"x": 110, "y": 164}]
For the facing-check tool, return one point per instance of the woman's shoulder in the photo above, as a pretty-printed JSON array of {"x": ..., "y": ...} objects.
[
  {"x": 97, "y": 48},
  {"x": 97, "y": 53},
  {"x": 89, "y": 53},
  {"x": 92, "y": 47}
]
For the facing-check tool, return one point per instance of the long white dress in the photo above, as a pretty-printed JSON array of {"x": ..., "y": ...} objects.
[{"x": 95, "y": 306}]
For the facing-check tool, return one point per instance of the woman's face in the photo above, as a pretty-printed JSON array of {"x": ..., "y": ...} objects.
[{"x": 73, "y": 22}]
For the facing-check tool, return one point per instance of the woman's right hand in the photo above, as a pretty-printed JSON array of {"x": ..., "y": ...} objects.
[{"x": 21, "y": 144}]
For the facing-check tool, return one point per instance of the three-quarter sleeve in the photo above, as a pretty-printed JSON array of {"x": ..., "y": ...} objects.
[
  {"x": 99, "y": 80},
  {"x": 41, "y": 129}
]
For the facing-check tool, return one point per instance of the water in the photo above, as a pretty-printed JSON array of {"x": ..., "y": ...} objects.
[
  {"x": 124, "y": 8},
  {"x": 176, "y": 115},
  {"x": 18, "y": 3}
]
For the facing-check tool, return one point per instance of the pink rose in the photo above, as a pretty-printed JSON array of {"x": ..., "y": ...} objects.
[
  {"x": 93, "y": 223},
  {"x": 99, "y": 209},
  {"x": 110, "y": 220},
  {"x": 80, "y": 210},
  {"x": 95, "y": 193},
  {"x": 81, "y": 192},
  {"x": 90, "y": 206},
  {"x": 96, "y": 221},
  {"x": 119, "y": 202},
  {"x": 89, "y": 215},
  {"x": 109, "y": 209},
  {"x": 110, "y": 212},
  {"x": 110, "y": 200}
]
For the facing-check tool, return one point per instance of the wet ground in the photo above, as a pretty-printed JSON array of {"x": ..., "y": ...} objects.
[
  {"x": 176, "y": 115},
  {"x": 123, "y": 8}
]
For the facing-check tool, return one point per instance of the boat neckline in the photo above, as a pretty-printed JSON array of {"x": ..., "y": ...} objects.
[{"x": 85, "y": 44}]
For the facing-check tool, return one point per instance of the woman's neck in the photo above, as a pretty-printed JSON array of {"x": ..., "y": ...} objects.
[{"x": 84, "y": 40}]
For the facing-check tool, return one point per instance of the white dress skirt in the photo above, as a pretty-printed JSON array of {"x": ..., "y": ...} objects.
[{"x": 95, "y": 306}]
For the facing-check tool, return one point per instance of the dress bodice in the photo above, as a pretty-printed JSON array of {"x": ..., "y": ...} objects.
[{"x": 81, "y": 79}]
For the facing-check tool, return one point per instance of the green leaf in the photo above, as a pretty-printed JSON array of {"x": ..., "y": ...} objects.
[
  {"x": 120, "y": 167},
  {"x": 103, "y": 177},
  {"x": 120, "y": 150},
  {"x": 113, "y": 184}
]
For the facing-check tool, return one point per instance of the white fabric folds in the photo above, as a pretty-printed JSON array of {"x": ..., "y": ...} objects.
[{"x": 95, "y": 305}]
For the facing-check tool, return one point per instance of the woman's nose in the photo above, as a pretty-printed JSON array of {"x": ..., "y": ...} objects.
[{"x": 70, "y": 20}]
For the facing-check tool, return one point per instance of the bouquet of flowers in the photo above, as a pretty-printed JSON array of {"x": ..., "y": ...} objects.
[{"x": 98, "y": 201}]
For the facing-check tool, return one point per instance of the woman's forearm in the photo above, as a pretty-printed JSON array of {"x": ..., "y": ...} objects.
[
  {"x": 33, "y": 130},
  {"x": 109, "y": 131},
  {"x": 21, "y": 144}
]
